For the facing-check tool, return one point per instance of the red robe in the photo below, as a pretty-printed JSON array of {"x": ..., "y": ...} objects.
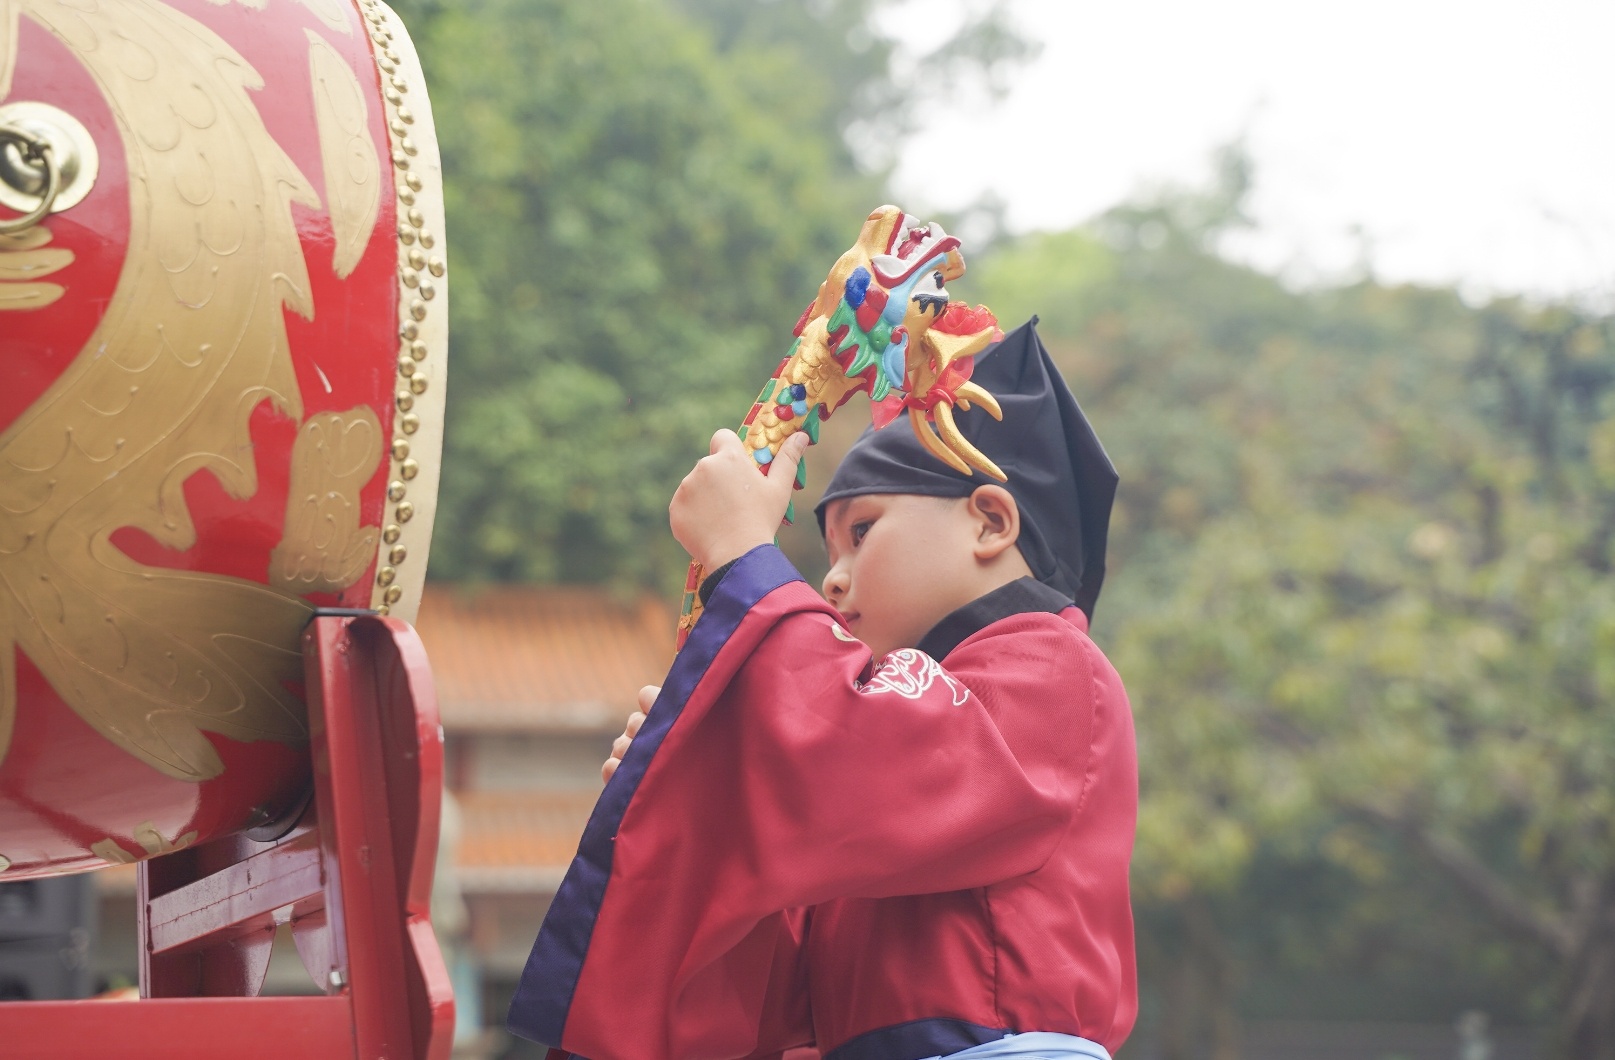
[{"x": 890, "y": 862}]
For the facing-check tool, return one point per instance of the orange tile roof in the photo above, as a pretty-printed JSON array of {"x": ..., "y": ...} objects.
[
  {"x": 518, "y": 841},
  {"x": 550, "y": 658}
]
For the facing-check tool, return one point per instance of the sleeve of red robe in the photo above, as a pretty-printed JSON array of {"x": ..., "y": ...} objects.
[{"x": 775, "y": 772}]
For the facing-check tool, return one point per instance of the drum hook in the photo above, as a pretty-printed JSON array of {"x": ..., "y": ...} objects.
[{"x": 38, "y": 161}]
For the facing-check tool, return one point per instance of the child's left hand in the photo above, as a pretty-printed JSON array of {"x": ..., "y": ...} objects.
[
  {"x": 725, "y": 506},
  {"x": 619, "y": 747}
]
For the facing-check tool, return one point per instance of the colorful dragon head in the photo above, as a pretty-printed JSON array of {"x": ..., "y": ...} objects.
[{"x": 883, "y": 324}]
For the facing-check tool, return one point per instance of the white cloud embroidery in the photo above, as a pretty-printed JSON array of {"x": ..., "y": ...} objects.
[{"x": 909, "y": 673}]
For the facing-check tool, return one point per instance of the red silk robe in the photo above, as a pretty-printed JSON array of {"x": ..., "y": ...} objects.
[{"x": 889, "y": 861}]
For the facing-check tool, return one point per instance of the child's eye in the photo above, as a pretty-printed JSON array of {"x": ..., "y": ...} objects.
[{"x": 857, "y": 532}]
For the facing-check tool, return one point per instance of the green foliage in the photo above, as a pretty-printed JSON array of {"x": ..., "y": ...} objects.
[
  {"x": 641, "y": 195},
  {"x": 1360, "y": 585},
  {"x": 630, "y": 228}
]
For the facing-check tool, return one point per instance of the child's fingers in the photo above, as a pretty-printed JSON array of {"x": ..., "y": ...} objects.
[
  {"x": 619, "y": 746},
  {"x": 635, "y": 720},
  {"x": 647, "y": 697},
  {"x": 788, "y": 457},
  {"x": 609, "y": 767},
  {"x": 722, "y": 439}
]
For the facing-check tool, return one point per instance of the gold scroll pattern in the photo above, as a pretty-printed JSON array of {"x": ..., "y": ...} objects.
[
  {"x": 25, "y": 260},
  {"x": 192, "y": 340},
  {"x": 333, "y": 13},
  {"x": 323, "y": 548},
  {"x": 151, "y": 842},
  {"x": 352, "y": 170}
]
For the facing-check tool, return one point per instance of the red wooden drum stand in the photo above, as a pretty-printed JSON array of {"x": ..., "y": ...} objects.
[{"x": 352, "y": 879}]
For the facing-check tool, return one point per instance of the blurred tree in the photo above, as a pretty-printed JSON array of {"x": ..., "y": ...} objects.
[
  {"x": 864, "y": 59},
  {"x": 641, "y": 196},
  {"x": 1361, "y": 588},
  {"x": 630, "y": 225}
]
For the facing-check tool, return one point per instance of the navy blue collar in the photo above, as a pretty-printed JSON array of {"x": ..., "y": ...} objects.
[{"x": 1019, "y": 597}]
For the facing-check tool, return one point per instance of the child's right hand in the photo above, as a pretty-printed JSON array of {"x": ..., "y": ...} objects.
[
  {"x": 724, "y": 508},
  {"x": 619, "y": 747}
]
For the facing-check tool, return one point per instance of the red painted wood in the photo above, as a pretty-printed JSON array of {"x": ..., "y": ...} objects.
[
  {"x": 269, "y": 888},
  {"x": 353, "y": 880},
  {"x": 379, "y": 770},
  {"x": 260, "y": 1028},
  {"x": 187, "y": 896}
]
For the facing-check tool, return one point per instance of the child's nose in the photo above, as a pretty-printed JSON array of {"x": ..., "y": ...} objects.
[{"x": 835, "y": 583}]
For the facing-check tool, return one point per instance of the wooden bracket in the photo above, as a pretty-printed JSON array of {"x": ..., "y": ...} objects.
[{"x": 352, "y": 879}]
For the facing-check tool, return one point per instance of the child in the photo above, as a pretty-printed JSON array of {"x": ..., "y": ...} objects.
[{"x": 895, "y": 825}]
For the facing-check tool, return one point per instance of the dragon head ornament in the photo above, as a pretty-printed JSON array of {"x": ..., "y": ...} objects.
[{"x": 883, "y": 324}]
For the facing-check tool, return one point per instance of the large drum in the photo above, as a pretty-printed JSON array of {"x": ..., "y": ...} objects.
[{"x": 222, "y": 327}]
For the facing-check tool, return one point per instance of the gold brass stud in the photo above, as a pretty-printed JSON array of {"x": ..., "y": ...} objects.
[
  {"x": 383, "y": 610},
  {"x": 398, "y": 553},
  {"x": 406, "y": 234},
  {"x": 417, "y": 350},
  {"x": 406, "y": 365},
  {"x": 386, "y": 575},
  {"x": 405, "y": 512},
  {"x": 427, "y": 239},
  {"x": 428, "y": 289},
  {"x": 405, "y": 196},
  {"x": 389, "y": 53},
  {"x": 400, "y": 160},
  {"x": 396, "y": 490},
  {"x": 392, "y": 533},
  {"x": 386, "y": 64},
  {"x": 407, "y": 278},
  {"x": 392, "y": 95},
  {"x": 394, "y": 593},
  {"x": 399, "y": 83},
  {"x": 409, "y": 145},
  {"x": 436, "y": 265},
  {"x": 400, "y": 448},
  {"x": 417, "y": 259},
  {"x": 409, "y": 469},
  {"x": 416, "y": 218},
  {"x": 406, "y": 401},
  {"x": 417, "y": 309},
  {"x": 417, "y": 382},
  {"x": 410, "y": 423},
  {"x": 410, "y": 331},
  {"x": 406, "y": 115},
  {"x": 398, "y": 127},
  {"x": 413, "y": 180}
]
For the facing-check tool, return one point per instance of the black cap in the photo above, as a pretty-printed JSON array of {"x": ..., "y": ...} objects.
[{"x": 1058, "y": 472}]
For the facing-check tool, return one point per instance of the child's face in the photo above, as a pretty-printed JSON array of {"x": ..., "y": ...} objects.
[{"x": 899, "y": 564}]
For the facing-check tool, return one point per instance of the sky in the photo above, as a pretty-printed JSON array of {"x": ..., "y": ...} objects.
[{"x": 1436, "y": 141}]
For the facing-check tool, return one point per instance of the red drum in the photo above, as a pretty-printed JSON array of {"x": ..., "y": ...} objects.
[{"x": 223, "y": 327}]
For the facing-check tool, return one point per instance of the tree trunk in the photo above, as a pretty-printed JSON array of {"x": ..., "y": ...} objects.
[
  {"x": 1587, "y": 1016},
  {"x": 1219, "y": 979}
]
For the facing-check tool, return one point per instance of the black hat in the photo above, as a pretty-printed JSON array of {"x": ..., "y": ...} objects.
[{"x": 1058, "y": 472}]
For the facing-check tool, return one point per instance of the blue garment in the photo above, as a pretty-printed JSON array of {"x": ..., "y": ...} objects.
[{"x": 1034, "y": 1045}]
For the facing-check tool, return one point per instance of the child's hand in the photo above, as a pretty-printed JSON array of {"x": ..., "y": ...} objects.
[
  {"x": 619, "y": 747},
  {"x": 725, "y": 507}
]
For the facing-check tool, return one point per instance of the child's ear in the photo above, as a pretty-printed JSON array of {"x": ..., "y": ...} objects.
[{"x": 997, "y": 520}]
